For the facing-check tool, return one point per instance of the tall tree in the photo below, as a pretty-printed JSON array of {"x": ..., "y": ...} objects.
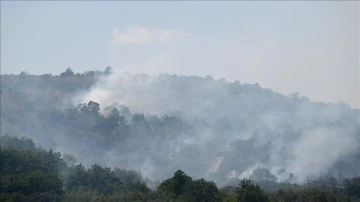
[{"x": 250, "y": 192}]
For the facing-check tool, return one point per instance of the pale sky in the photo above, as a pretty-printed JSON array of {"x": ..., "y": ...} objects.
[{"x": 289, "y": 46}]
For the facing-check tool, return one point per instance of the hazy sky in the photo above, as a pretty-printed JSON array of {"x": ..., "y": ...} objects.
[{"x": 288, "y": 46}]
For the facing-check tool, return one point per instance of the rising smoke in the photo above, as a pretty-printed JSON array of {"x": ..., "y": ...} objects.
[
  {"x": 231, "y": 129},
  {"x": 240, "y": 128}
]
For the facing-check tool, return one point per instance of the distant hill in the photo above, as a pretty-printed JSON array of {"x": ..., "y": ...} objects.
[{"x": 158, "y": 124}]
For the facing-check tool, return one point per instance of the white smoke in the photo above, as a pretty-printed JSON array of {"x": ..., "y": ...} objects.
[
  {"x": 240, "y": 127},
  {"x": 290, "y": 136}
]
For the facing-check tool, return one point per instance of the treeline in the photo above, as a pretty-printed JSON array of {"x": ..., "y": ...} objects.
[
  {"x": 33, "y": 106},
  {"x": 208, "y": 128},
  {"x": 29, "y": 173}
]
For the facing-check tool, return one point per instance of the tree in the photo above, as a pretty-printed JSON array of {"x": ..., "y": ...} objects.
[
  {"x": 76, "y": 177},
  {"x": 140, "y": 125},
  {"x": 262, "y": 174},
  {"x": 31, "y": 173},
  {"x": 68, "y": 73},
  {"x": 23, "y": 144},
  {"x": 250, "y": 192},
  {"x": 114, "y": 119},
  {"x": 108, "y": 71},
  {"x": 23, "y": 74},
  {"x": 103, "y": 180},
  {"x": 182, "y": 188},
  {"x": 352, "y": 187},
  {"x": 91, "y": 107},
  {"x": 205, "y": 191},
  {"x": 177, "y": 185}
]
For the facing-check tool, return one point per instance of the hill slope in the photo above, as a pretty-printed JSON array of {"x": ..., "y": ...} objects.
[{"x": 206, "y": 127}]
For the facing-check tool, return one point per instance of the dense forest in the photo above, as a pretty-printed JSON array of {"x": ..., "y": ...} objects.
[
  {"x": 113, "y": 136},
  {"x": 30, "y": 173}
]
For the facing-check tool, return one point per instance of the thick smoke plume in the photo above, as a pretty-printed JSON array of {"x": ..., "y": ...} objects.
[{"x": 241, "y": 129}]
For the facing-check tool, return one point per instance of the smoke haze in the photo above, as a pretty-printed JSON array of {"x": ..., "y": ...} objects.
[{"x": 239, "y": 127}]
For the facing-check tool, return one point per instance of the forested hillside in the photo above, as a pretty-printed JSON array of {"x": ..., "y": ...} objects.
[
  {"x": 30, "y": 173},
  {"x": 212, "y": 129}
]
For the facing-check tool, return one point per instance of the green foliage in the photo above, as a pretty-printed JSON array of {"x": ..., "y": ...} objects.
[
  {"x": 182, "y": 188},
  {"x": 29, "y": 172},
  {"x": 103, "y": 180},
  {"x": 23, "y": 144},
  {"x": 308, "y": 194},
  {"x": 250, "y": 192},
  {"x": 176, "y": 186},
  {"x": 88, "y": 195},
  {"x": 205, "y": 191},
  {"x": 35, "y": 197},
  {"x": 30, "y": 107},
  {"x": 352, "y": 187}
]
